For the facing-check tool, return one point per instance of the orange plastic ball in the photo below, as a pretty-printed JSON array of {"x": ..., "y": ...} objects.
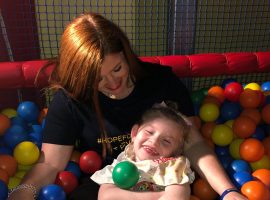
[
  {"x": 4, "y": 176},
  {"x": 266, "y": 114},
  {"x": 251, "y": 150},
  {"x": 9, "y": 164},
  {"x": 255, "y": 190},
  {"x": 263, "y": 175},
  {"x": 211, "y": 99},
  {"x": 243, "y": 127},
  {"x": 203, "y": 190},
  {"x": 75, "y": 156},
  {"x": 207, "y": 129},
  {"x": 252, "y": 113},
  {"x": 42, "y": 115},
  {"x": 266, "y": 144},
  {"x": 218, "y": 92},
  {"x": 249, "y": 99},
  {"x": 192, "y": 197},
  {"x": 4, "y": 123}
]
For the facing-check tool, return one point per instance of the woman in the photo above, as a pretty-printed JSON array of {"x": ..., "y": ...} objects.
[{"x": 101, "y": 91}]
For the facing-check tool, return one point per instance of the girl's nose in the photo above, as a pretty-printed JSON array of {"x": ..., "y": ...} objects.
[{"x": 111, "y": 82}]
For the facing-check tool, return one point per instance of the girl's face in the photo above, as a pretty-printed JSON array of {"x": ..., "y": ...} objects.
[
  {"x": 156, "y": 139},
  {"x": 114, "y": 76}
]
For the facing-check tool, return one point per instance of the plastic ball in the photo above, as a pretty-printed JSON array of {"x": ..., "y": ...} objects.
[
  {"x": 4, "y": 176},
  {"x": 26, "y": 153},
  {"x": 20, "y": 174},
  {"x": 125, "y": 175},
  {"x": 249, "y": 99},
  {"x": 264, "y": 162},
  {"x": 3, "y": 190},
  {"x": 207, "y": 129},
  {"x": 203, "y": 190},
  {"x": 52, "y": 192},
  {"x": 192, "y": 197},
  {"x": 263, "y": 175},
  {"x": 251, "y": 150},
  {"x": 239, "y": 165},
  {"x": 229, "y": 123},
  {"x": 233, "y": 91},
  {"x": 67, "y": 180},
  {"x": 197, "y": 97},
  {"x": 234, "y": 148},
  {"x": 259, "y": 133},
  {"x": 24, "y": 167},
  {"x": 266, "y": 114},
  {"x": 265, "y": 86},
  {"x": 222, "y": 150},
  {"x": 9, "y": 112},
  {"x": 6, "y": 150},
  {"x": 218, "y": 92},
  {"x": 74, "y": 168},
  {"x": 230, "y": 110},
  {"x": 255, "y": 190},
  {"x": 75, "y": 156},
  {"x": 5, "y": 123},
  {"x": 209, "y": 112},
  {"x": 13, "y": 182},
  {"x": 90, "y": 161},
  {"x": 253, "y": 86},
  {"x": 252, "y": 113},
  {"x": 28, "y": 110},
  {"x": 15, "y": 135},
  {"x": 42, "y": 115},
  {"x": 243, "y": 127},
  {"x": 211, "y": 99},
  {"x": 222, "y": 135},
  {"x": 18, "y": 120},
  {"x": 9, "y": 164},
  {"x": 225, "y": 161},
  {"x": 241, "y": 177},
  {"x": 266, "y": 144}
]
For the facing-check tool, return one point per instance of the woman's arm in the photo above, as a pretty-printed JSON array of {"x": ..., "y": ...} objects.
[
  {"x": 176, "y": 192},
  {"x": 112, "y": 192},
  {"x": 205, "y": 162},
  {"x": 53, "y": 158}
]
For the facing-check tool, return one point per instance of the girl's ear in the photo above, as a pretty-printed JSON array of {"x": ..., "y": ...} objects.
[{"x": 134, "y": 131}]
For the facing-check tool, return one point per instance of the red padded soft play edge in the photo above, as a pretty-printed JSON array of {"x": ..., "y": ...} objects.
[{"x": 22, "y": 74}]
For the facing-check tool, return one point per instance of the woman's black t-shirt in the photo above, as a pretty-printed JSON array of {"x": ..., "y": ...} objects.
[{"x": 69, "y": 121}]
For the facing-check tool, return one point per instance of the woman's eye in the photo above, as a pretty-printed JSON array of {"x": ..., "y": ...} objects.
[{"x": 118, "y": 68}]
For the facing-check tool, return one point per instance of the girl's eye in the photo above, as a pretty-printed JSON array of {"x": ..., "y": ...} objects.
[
  {"x": 166, "y": 141},
  {"x": 117, "y": 69},
  {"x": 149, "y": 132}
]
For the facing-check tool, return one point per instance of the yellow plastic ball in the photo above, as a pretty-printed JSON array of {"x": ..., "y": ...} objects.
[
  {"x": 209, "y": 112},
  {"x": 263, "y": 163},
  {"x": 26, "y": 153},
  {"x": 13, "y": 182},
  {"x": 253, "y": 86},
  {"x": 20, "y": 174},
  {"x": 234, "y": 148},
  {"x": 222, "y": 135},
  {"x": 9, "y": 112},
  {"x": 24, "y": 167}
]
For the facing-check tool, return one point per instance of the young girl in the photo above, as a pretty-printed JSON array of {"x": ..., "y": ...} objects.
[{"x": 156, "y": 149}]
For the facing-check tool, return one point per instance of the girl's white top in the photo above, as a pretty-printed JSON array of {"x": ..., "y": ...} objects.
[{"x": 155, "y": 175}]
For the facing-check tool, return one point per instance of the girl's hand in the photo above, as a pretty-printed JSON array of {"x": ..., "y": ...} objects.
[{"x": 234, "y": 196}]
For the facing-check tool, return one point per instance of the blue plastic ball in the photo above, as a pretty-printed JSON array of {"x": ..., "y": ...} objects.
[
  {"x": 74, "y": 168},
  {"x": 230, "y": 110},
  {"x": 259, "y": 133},
  {"x": 222, "y": 150},
  {"x": 15, "y": 135},
  {"x": 265, "y": 86},
  {"x": 6, "y": 151},
  {"x": 225, "y": 161},
  {"x": 125, "y": 174},
  {"x": 51, "y": 192},
  {"x": 241, "y": 177},
  {"x": 3, "y": 190},
  {"x": 239, "y": 165},
  {"x": 29, "y": 111}
]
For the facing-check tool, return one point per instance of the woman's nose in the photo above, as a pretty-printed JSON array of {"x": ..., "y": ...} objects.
[{"x": 111, "y": 83}]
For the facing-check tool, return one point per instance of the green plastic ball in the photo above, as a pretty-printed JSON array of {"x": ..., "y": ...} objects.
[{"x": 125, "y": 175}]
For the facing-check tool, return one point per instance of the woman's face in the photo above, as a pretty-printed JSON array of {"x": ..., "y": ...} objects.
[
  {"x": 114, "y": 76},
  {"x": 160, "y": 138}
]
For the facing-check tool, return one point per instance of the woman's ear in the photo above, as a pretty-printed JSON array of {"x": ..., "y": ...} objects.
[{"x": 134, "y": 131}]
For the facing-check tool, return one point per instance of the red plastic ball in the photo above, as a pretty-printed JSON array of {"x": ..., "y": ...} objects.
[
  {"x": 90, "y": 161},
  {"x": 4, "y": 176},
  {"x": 251, "y": 150},
  {"x": 4, "y": 123},
  {"x": 249, "y": 99},
  {"x": 255, "y": 190},
  {"x": 252, "y": 113},
  {"x": 9, "y": 164},
  {"x": 233, "y": 91},
  {"x": 203, "y": 190},
  {"x": 266, "y": 144},
  {"x": 67, "y": 180},
  {"x": 244, "y": 126},
  {"x": 266, "y": 114}
]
